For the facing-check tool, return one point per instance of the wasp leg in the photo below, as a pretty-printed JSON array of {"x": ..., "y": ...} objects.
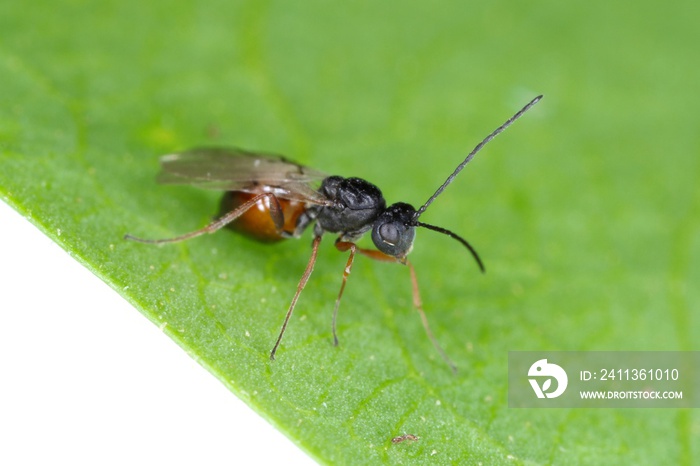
[
  {"x": 417, "y": 303},
  {"x": 300, "y": 287},
  {"x": 419, "y": 307},
  {"x": 219, "y": 223},
  {"x": 344, "y": 246}
]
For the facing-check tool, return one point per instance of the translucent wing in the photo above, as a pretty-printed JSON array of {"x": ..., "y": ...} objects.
[{"x": 228, "y": 169}]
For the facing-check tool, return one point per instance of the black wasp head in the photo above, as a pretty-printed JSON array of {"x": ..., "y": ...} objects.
[{"x": 394, "y": 230}]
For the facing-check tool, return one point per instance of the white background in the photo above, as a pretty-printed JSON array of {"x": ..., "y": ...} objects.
[{"x": 86, "y": 379}]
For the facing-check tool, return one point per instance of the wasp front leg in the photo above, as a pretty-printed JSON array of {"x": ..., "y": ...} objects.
[{"x": 417, "y": 302}]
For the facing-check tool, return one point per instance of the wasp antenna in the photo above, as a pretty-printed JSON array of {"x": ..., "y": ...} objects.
[
  {"x": 471, "y": 155},
  {"x": 464, "y": 242}
]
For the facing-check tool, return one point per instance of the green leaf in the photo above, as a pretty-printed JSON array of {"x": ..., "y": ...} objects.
[{"x": 586, "y": 212}]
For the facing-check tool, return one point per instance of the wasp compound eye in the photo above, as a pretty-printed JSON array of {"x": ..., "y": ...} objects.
[{"x": 389, "y": 234}]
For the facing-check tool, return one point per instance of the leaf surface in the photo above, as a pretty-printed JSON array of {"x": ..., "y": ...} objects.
[{"x": 586, "y": 212}]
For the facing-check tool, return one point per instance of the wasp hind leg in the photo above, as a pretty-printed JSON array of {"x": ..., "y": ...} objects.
[{"x": 219, "y": 223}]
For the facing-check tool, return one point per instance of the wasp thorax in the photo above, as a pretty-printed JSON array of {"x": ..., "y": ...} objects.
[
  {"x": 356, "y": 204},
  {"x": 394, "y": 230}
]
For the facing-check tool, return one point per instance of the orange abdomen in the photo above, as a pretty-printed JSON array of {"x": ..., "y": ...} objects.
[{"x": 256, "y": 222}]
